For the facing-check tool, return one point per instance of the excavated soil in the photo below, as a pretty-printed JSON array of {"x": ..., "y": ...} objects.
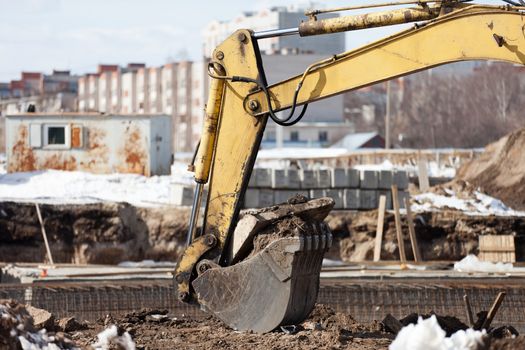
[
  {"x": 103, "y": 233},
  {"x": 111, "y": 233},
  {"x": 287, "y": 227},
  {"x": 500, "y": 170},
  {"x": 445, "y": 235}
]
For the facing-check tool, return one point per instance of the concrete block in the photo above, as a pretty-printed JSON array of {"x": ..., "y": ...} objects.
[
  {"x": 317, "y": 193},
  {"x": 261, "y": 178},
  {"x": 368, "y": 199},
  {"x": 324, "y": 178},
  {"x": 388, "y": 195},
  {"x": 351, "y": 198},
  {"x": 340, "y": 178},
  {"x": 369, "y": 179},
  {"x": 309, "y": 179},
  {"x": 294, "y": 178},
  {"x": 386, "y": 179},
  {"x": 354, "y": 178},
  {"x": 279, "y": 178},
  {"x": 338, "y": 196},
  {"x": 282, "y": 196},
  {"x": 251, "y": 198},
  {"x": 401, "y": 180},
  {"x": 181, "y": 195},
  {"x": 266, "y": 198}
]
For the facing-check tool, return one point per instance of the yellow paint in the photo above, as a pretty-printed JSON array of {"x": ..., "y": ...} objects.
[{"x": 465, "y": 35}]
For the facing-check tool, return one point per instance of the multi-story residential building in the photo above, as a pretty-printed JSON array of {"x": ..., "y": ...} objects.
[
  {"x": 142, "y": 94},
  {"x": 273, "y": 18},
  {"x": 116, "y": 92},
  {"x": 45, "y": 92},
  {"x": 129, "y": 92},
  {"x": 155, "y": 89},
  {"x": 92, "y": 93},
  {"x": 104, "y": 86}
]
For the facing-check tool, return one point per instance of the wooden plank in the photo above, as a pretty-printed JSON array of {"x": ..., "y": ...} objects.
[
  {"x": 498, "y": 248},
  {"x": 379, "y": 229},
  {"x": 470, "y": 318},
  {"x": 422, "y": 174},
  {"x": 399, "y": 233},
  {"x": 493, "y": 310},
  {"x": 43, "y": 229},
  {"x": 412, "y": 232}
]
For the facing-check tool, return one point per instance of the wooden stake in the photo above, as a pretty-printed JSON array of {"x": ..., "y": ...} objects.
[
  {"x": 380, "y": 225},
  {"x": 422, "y": 174},
  {"x": 412, "y": 232},
  {"x": 470, "y": 317},
  {"x": 49, "y": 256},
  {"x": 493, "y": 310},
  {"x": 395, "y": 202}
]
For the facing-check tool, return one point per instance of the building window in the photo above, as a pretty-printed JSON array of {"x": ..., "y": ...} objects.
[
  {"x": 270, "y": 136},
  {"x": 57, "y": 136},
  {"x": 323, "y": 136},
  {"x": 294, "y": 136}
]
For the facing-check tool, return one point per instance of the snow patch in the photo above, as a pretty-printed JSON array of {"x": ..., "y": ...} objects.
[
  {"x": 76, "y": 187},
  {"x": 479, "y": 204},
  {"x": 471, "y": 263},
  {"x": 428, "y": 335},
  {"x": 109, "y": 335}
]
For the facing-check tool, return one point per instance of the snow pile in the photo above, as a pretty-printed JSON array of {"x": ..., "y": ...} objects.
[
  {"x": 109, "y": 335},
  {"x": 428, "y": 335},
  {"x": 75, "y": 187},
  {"x": 477, "y": 204},
  {"x": 471, "y": 263}
]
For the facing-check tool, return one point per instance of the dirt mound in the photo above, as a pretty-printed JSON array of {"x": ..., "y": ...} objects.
[{"x": 500, "y": 170}]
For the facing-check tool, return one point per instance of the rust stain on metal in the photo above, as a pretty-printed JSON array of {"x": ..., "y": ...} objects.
[
  {"x": 58, "y": 161},
  {"x": 22, "y": 157},
  {"x": 97, "y": 152},
  {"x": 76, "y": 136},
  {"x": 135, "y": 156}
]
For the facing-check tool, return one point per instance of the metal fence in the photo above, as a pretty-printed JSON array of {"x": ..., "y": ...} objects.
[{"x": 365, "y": 300}]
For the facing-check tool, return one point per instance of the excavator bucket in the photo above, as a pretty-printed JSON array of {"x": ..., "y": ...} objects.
[{"x": 277, "y": 285}]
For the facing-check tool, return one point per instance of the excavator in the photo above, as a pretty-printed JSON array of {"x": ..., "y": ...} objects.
[{"x": 277, "y": 285}]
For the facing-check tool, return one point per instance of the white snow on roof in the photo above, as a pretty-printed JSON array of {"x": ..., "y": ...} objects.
[
  {"x": 352, "y": 142},
  {"x": 300, "y": 153}
]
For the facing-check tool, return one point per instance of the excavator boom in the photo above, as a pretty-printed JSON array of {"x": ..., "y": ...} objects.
[{"x": 260, "y": 290}]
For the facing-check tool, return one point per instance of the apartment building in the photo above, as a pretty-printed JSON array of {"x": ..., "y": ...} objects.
[
  {"x": 155, "y": 89},
  {"x": 45, "y": 92},
  {"x": 116, "y": 92},
  {"x": 129, "y": 92},
  {"x": 142, "y": 94}
]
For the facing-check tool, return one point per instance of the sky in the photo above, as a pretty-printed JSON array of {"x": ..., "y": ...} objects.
[{"x": 42, "y": 35}]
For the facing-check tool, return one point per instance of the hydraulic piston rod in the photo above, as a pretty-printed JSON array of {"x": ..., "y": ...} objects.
[
  {"x": 370, "y": 20},
  {"x": 206, "y": 147}
]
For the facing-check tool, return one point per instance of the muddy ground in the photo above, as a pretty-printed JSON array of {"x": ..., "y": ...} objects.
[
  {"x": 114, "y": 232},
  {"x": 156, "y": 329}
]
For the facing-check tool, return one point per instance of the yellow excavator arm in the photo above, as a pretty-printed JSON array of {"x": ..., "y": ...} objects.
[{"x": 239, "y": 105}]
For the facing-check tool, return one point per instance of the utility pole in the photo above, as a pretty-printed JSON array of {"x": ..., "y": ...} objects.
[{"x": 387, "y": 117}]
